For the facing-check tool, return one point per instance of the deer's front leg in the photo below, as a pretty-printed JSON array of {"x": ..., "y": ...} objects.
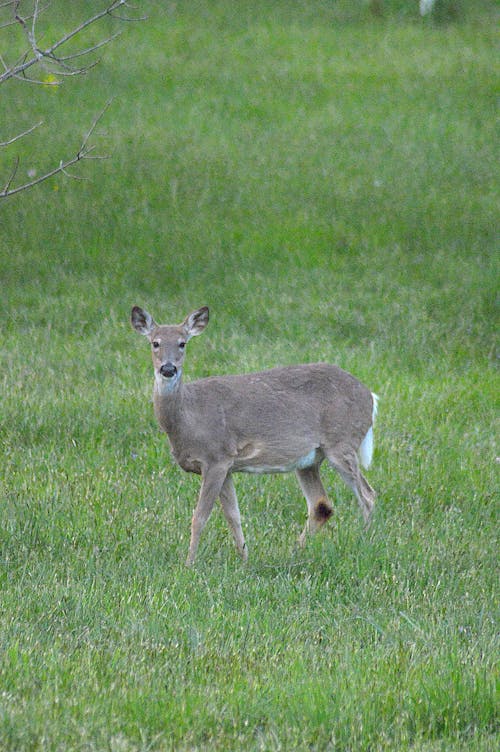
[{"x": 213, "y": 478}]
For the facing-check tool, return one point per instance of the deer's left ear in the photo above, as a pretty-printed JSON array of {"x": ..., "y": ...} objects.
[{"x": 196, "y": 322}]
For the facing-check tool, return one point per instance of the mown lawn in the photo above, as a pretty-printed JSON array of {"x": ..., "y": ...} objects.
[{"x": 326, "y": 181}]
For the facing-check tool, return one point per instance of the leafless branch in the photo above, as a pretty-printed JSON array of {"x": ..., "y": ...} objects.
[
  {"x": 6, "y": 190},
  {"x": 88, "y": 50},
  {"x": 57, "y": 61},
  {"x": 84, "y": 152},
  {"x": 39, "y": 55},
  {"x": 13, "y": 20},
  {"x": 20, "y": 135}
]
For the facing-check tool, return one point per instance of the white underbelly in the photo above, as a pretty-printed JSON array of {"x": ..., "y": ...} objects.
[{"x": 300, "y": 464}]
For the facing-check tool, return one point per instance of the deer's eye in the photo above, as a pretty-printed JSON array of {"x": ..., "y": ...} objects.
[
  {"x": 182, "y": 345},
  {"x": 156, "y": 345}
]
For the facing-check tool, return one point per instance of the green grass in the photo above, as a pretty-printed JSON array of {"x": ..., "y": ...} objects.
[{"x": 326, "y": 182}]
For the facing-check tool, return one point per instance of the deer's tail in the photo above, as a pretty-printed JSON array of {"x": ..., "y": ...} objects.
[{"x": 366, "y": 448}]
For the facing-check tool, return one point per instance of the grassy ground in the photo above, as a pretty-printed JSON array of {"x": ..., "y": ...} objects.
[{"x": 325, "y": 180}]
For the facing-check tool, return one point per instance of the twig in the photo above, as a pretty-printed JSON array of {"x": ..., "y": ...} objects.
[
  {"x": 8, "y": 23},
  {"x": 59, "y": 66},
  {"x": 39, "y": 54},
  {"x": 87, "y": 51},
  {"x": 84, "y": 152},
  {"x": 6, "y": 190},
  {"x": 14, "y": 20},
  {"x": 95, "y": 122},
  {"x": 66, "y": 70},
  {"x": 20, "y": 135}
]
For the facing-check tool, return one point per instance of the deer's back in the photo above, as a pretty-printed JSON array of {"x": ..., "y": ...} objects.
[{"x": 295, "y": 398}]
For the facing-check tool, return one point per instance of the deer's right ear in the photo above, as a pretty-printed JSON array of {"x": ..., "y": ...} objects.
[{"x": 142, "y": 321}]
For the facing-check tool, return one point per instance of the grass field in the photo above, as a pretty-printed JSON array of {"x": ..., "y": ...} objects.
[{"x": 326, "y": 181}]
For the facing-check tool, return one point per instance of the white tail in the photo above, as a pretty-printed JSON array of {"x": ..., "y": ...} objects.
[
  {"x": 275, "y": 421},
  {"x": 366, "y": 448}
]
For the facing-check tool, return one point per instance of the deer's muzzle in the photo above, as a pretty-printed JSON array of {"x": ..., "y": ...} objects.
[{"x": 168, "y": 370}]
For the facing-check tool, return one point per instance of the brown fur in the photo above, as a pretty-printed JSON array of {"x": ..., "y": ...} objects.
[{"x": 322, "y": 510}]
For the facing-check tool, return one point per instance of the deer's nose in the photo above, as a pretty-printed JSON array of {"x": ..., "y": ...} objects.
[{"x": 168, "y": 370}]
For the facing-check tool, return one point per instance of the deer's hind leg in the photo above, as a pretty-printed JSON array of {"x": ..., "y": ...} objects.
[
  {"x": 232, "y": 513},
  {"x": 345, "y": 461},
  {"x": 319, "y": 508}
]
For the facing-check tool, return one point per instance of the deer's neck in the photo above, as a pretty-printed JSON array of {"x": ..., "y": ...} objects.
[{"x": 168, "y": 407}]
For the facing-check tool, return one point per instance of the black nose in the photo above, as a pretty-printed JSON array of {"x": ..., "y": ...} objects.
[{"x": 168, "y": 370}]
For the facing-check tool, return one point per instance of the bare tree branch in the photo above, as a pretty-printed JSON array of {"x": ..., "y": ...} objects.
[
  {"x": 6, "y": 190},
  {"x": 84, "y": 152},
  {"x": 88, "y": 50},
  {"x": 13, "y": 20},
  {"x": 58, "y": 66},
  {"x": 20, "y": 135},
  {"x": 6, "y": 4},
  {"x": 39, "y": 54}
]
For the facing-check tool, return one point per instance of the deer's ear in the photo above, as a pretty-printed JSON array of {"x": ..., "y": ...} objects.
[
  {"x": 142, "y": 321},
  {"x": 196, "y": 322}
]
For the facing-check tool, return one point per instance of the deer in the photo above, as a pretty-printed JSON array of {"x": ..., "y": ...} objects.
[{"x": 285, "y": 419}]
